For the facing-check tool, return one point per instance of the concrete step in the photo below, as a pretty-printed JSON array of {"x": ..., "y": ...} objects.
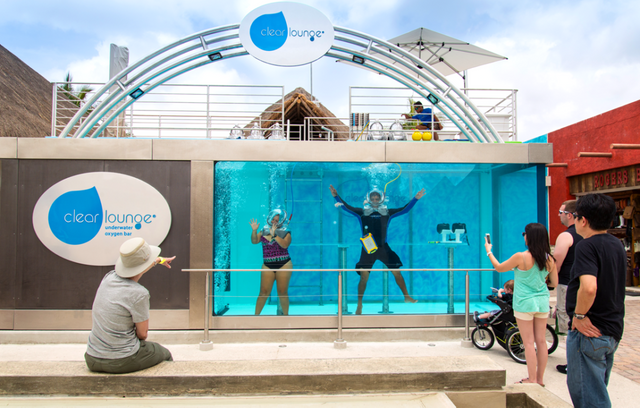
[
  {"x": 451, "y": 374},
  {"x": 532, "y": 395},
  {"x": 244, "y": 336},
  {"x": 413, "y": 400}
]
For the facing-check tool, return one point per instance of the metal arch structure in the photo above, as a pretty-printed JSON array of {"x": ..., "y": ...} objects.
[{"x": 223, "y": 43}]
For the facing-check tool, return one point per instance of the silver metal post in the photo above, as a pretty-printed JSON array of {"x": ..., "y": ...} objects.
[
  {"x": 342, "y": 263},
  {"x": 206, "y": 344},
  {"x": 450, "y": 309},
  {"x": 208, "y": 113},
  {"x": 385, "y": 293},
  {"x": 351, "y": 121},
  {"x": 339, "y": 343},
  {"x": 466, "y": 342},
  {"x": 131, "y": 120},
  {"x": 311, "y": 80}
]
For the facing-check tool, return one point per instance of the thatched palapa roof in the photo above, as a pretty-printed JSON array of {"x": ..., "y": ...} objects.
[
  {"x": 25, "y": 99},
  {"x": 299, "y": 104}
]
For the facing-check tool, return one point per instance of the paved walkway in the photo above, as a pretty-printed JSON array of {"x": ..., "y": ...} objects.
[{"x": 628, "y": 354}]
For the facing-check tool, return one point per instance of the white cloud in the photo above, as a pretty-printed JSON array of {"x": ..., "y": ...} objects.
[{"x": 567, "y": 61}]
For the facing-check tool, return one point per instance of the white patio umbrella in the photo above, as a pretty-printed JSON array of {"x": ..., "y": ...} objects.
[{"x": 445, "y": 54}]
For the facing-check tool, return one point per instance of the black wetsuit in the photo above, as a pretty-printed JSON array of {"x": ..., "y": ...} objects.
[{"x": 377, "y": 224}]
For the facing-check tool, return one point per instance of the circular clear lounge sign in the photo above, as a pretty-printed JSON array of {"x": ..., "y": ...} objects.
[
  {"x": 85, "y": 218},
  {"x": 286, "y": 34}
]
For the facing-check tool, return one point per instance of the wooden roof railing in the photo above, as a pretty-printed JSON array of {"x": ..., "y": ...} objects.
[
  {"x": 624, "y": 146},
  {"x": 595, "y": 154}
]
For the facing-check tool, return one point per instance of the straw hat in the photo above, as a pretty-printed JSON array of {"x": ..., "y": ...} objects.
[{"x": 136, "y": 256}]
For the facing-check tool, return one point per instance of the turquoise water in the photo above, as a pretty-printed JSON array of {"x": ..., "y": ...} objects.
[{"x": 489, "y": 198}]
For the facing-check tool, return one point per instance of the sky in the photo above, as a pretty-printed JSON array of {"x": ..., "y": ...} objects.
[{"x": 569, "y": 60}]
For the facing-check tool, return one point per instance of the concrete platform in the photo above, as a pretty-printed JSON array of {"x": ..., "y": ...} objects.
[
  {"x": 270, "y": 377},
  {"x": 42, "y": 356},
  {"x": 410, "y": 400}
]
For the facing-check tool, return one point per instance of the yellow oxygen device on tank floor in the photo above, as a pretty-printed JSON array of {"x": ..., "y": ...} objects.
[{"x": 369, "y": 243}]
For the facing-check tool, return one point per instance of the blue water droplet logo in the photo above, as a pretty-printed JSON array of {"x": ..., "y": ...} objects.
[
  {"x": 269, "y": 31},
  {"x": 138, "y": 226},
  {"x": 312, "y": 38},
  {"x": 76, "y": 216}
]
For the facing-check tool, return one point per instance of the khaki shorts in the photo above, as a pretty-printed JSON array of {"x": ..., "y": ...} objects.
[{"x": 530, "y": 315}]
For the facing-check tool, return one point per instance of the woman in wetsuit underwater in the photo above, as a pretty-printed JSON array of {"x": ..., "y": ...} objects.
[{"x": 275, "y": 240}]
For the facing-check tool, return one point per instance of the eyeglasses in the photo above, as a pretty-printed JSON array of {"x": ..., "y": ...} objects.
[
  {"x": 524, "y": 233},
  {"x": 560, "y": 212}
]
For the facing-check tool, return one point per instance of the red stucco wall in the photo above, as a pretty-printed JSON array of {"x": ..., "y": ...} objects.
[{"x": 621, "y": 125}]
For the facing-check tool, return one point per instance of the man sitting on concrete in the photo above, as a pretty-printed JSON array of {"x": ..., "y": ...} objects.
[{"x": 121, "y": 314}]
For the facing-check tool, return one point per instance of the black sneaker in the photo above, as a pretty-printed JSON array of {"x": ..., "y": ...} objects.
[
  {"x": 475, "y": 316},
  {"x": 562, "y": 368}
]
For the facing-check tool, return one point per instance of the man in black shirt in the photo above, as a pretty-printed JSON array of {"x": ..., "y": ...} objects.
[{"x": 595, "y": 302}]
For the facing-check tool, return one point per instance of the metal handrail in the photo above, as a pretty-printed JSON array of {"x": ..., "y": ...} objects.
[
  {"x": 383, "y": 104},
  {"x": 340, "y": 342},
  {"x": 186, "y": 104},
  {"x": 203, "y": 111}
]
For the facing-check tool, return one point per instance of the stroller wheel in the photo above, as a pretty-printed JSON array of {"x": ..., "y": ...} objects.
[
  {"x": 515, "y": 346},
  {"x": 482, "y": 338}
]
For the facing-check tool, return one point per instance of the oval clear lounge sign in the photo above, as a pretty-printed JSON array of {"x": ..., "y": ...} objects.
[
  {"x": 85, "y": 218},
  {"x": 286, "y": 34}
]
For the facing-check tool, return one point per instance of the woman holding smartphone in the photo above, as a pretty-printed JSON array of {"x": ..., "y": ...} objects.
[{"x": 531, "y": 295}]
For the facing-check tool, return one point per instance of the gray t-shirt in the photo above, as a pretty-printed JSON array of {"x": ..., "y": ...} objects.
[{"x": 119, "y": 303}]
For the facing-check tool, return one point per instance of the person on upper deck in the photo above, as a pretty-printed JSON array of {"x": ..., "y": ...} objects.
[{"x": 427, "y": 119}]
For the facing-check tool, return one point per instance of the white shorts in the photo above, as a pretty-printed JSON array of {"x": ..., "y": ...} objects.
[{"x": 530, "y": 315}]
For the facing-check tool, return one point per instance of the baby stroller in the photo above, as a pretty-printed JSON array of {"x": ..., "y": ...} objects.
[{"x": 503, "y": 324}]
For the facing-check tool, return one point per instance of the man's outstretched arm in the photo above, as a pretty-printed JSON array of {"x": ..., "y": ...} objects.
[
  {"x": 403, "y": 210},
  {"x": 350, "y": 209}
]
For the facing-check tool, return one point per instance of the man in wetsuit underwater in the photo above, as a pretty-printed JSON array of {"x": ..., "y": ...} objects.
[{"x": 375, "y": 219}]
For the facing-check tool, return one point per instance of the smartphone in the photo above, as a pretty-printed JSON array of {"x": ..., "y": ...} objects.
[{"x": 488, "y": 238}]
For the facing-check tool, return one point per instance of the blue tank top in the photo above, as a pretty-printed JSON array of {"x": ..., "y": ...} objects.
[{"x": 530, "y": 293}]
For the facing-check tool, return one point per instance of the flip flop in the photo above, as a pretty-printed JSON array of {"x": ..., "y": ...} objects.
[{"x": 526, "y": 379}]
